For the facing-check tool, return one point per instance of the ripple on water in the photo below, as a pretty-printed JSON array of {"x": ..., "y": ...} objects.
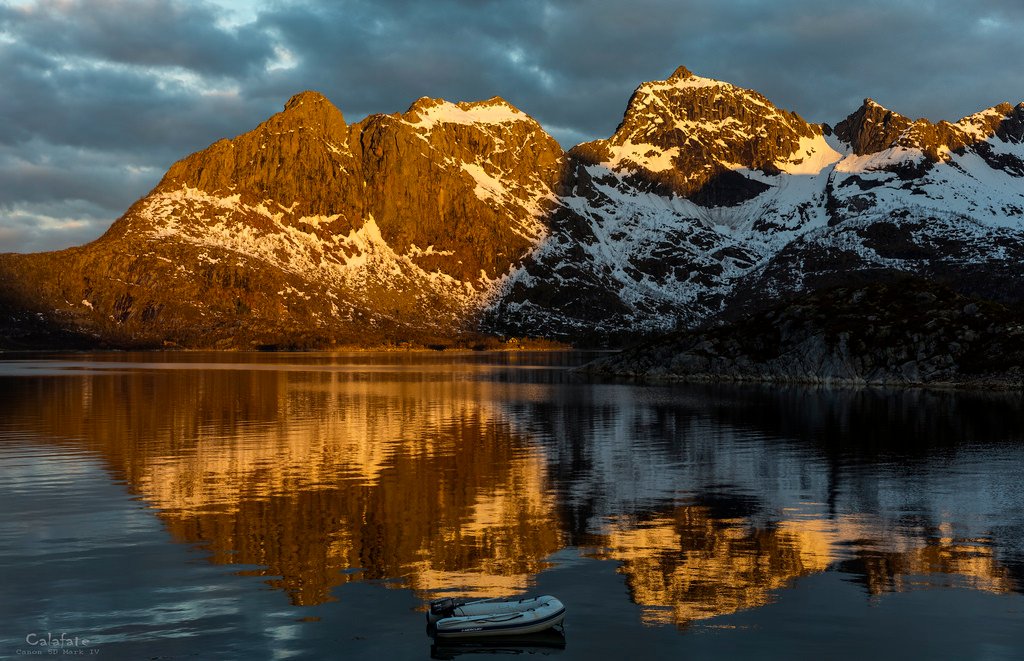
[{"x": 226, "y": 506}]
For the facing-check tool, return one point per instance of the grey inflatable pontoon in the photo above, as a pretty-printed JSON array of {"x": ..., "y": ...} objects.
[{"x": 448, "y": 618}]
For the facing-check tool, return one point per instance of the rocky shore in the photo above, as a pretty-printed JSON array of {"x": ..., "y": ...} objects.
[{"x": 909, "y": 332}]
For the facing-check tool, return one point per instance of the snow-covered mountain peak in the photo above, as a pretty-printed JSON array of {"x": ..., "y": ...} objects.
[
  {"x": 984, "y": 124},
  {"x": 875, "y": 105},
  {"x": 683, "y": 78},
  {"x": 1004, "y": 121},
  {"x": 690, "y": 135},
  {"x": 681, "y": 83},
  {"x": 428, "y": 113},
  {"x": 894, "y": 142}
]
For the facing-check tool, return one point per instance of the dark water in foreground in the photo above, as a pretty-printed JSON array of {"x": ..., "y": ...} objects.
[{"x": 307, "y": 505}]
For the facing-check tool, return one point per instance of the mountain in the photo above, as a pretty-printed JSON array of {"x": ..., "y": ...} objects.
[
  {"x": 307, "y": 231},
  {"x": 453, "y": 221},
  {"x": 942, "y": 200},
  {"x": 701, "y": 183},
  {"x": 708, "y": 202}
]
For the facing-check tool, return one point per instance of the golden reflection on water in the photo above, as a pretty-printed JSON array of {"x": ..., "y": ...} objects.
[
  {"x": 691, "y": 566},
  {"x": 323, "y": 477},
  {"x": 366, "y": 480}
]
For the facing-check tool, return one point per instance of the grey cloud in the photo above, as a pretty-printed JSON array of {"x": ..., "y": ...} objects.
[
  {"x": 50, "y": 226},
  {"x": 160, "y": 33},
  {"x": 144, "y": 83},
  {"x": 372, "y": 57},
  {"x": 62, "y": 174},
  {"x": 54, "y": 196},
  {"x": 818, "y": 59},
  {"x": 85, "y": 128},
  {"x": 122, "y": 112},
  {"x": 579, "y": 61},
  {"x": 58, "y": 99}
]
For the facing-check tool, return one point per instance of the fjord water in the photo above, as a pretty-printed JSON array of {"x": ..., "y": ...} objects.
[{"x": 309, "y": 505}]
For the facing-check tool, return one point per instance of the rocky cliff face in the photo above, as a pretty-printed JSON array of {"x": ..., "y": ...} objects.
[
  {"x": 871, "y": 128},
  {"x": 455, "y": 219},
  {"x": 699, "y": 184},
  {"x": 308, "y": 231},
  {"x": 688, "y": 136},
  {"x": 652, "y": 240}
]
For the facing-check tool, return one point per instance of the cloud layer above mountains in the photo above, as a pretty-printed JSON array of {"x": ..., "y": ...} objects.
[{"x": 101, "y": 96}]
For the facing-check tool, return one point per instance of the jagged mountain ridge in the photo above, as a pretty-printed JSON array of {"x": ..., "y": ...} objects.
[
  {"x": 896, "y": 199},
  {"x": 942, "y": 200},
  {"x": 307, "y": 230},
  {"x": 461, "y": 218},
  {"x": 689, "y": 134}
]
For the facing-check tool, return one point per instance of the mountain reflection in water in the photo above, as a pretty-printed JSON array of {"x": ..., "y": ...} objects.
[{"x": 467, "y": 474}]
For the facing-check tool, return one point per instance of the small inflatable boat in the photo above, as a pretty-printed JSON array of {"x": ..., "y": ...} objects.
[{"x": 448, "y": 618}]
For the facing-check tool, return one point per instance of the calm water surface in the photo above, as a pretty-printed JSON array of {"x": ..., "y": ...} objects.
[{"x": 308, "y": 506}]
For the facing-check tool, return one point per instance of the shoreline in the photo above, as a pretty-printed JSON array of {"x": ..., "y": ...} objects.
[
  {"x": 990, "y": 383},
  {"x": 333, "y": 350}
]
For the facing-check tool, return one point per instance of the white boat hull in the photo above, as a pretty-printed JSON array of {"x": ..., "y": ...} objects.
[{"x": 498, "y": 618}]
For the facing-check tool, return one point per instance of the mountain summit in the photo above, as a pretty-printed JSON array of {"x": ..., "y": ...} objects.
[
  {"x": 455, "y": 219},
  {"x": 873, "y": 129},
  {"x": 690, "y": 136}
]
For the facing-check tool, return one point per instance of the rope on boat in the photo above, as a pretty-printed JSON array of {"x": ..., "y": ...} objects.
[{"x": 495, "y": 618}]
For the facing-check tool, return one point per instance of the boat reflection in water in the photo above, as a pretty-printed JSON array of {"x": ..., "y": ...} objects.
[
  {"x": 465, "y": 478},
  {"x": 542, "y": 643}
]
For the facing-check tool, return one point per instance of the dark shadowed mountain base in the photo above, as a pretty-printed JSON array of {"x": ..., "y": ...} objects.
[{"x": 906, "y": 332}]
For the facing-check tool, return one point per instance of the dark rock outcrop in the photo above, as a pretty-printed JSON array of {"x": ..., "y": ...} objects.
[
  {"x": 903, "y": 332},
  {"x": 871, "y": 128},
  {"x": 686, "y": 134}
]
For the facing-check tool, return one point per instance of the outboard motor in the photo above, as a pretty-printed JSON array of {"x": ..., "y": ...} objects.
[{"x": 440, "y": 608}]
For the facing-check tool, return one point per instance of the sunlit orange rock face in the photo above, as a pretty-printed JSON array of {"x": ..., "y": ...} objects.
[
  {"x": 308, "y": 231},
  {"x": 686, "y": 133}
]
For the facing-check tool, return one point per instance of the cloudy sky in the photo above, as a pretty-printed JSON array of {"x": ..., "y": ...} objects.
[{"x": 99, "y": 97}]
